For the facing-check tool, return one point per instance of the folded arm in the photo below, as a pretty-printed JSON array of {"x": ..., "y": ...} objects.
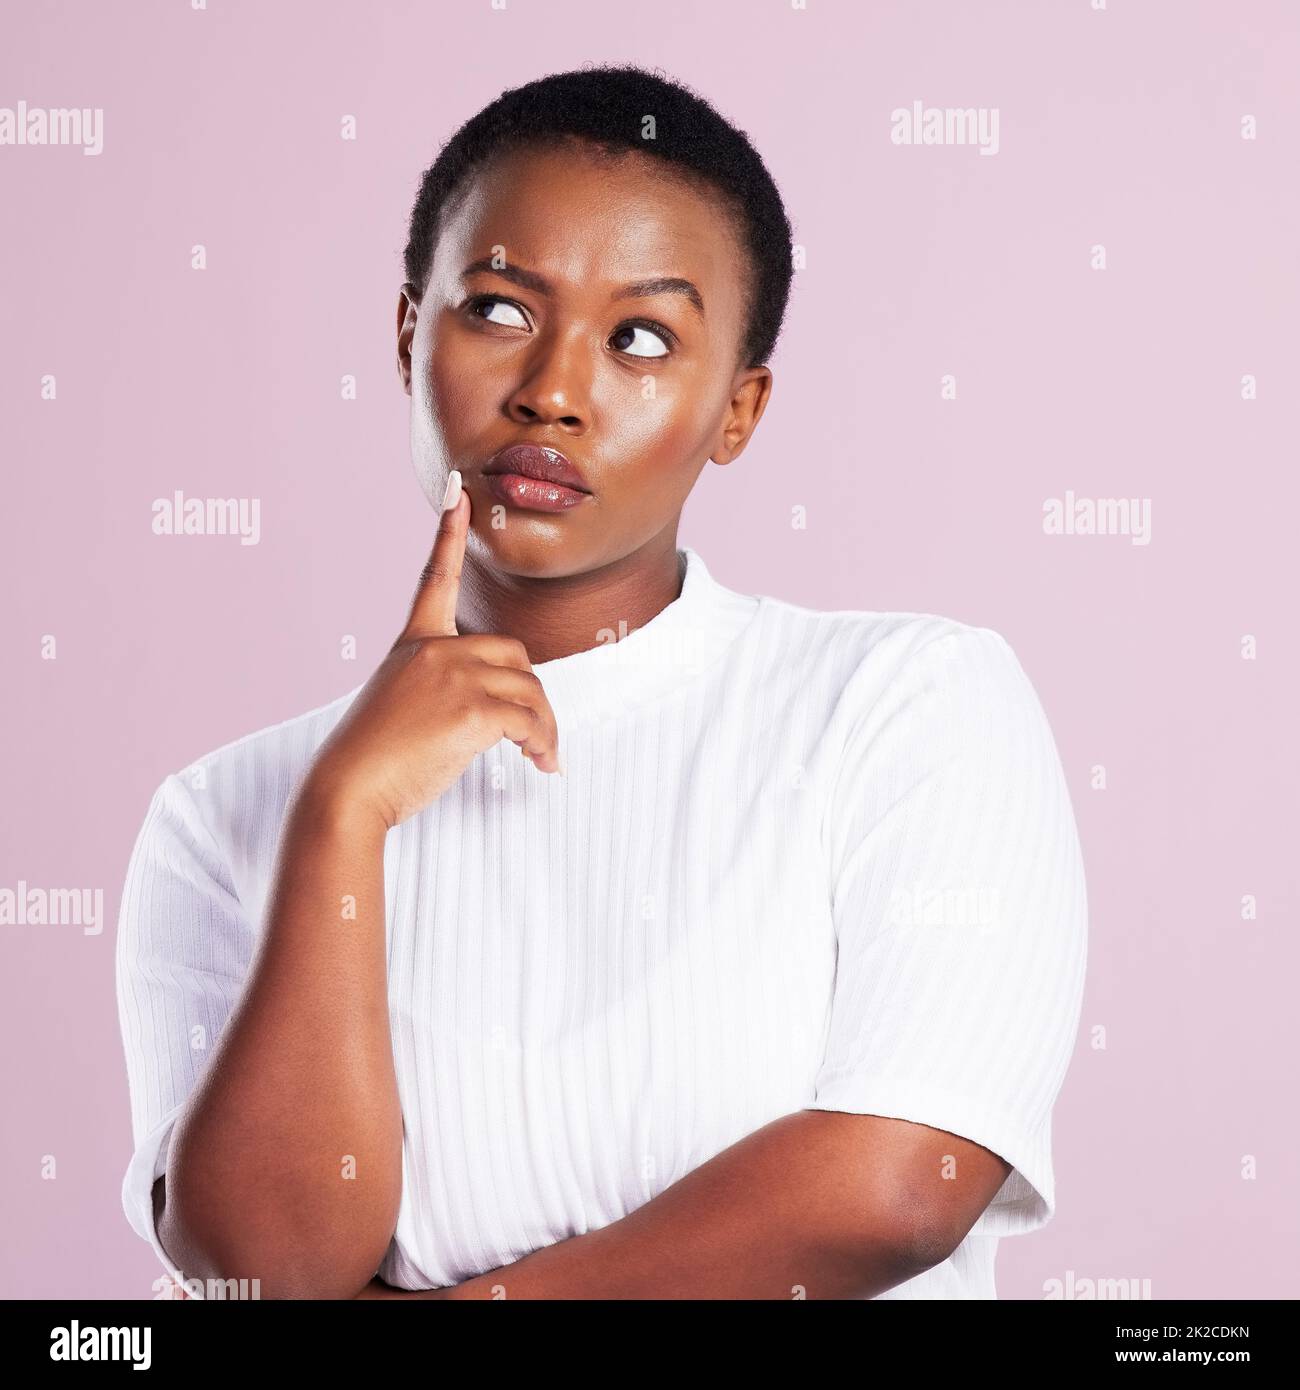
[{"x": 818, "y": 1204}]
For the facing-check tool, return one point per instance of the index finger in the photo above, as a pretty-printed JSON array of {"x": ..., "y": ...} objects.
[{"x": 433, "y": 610}]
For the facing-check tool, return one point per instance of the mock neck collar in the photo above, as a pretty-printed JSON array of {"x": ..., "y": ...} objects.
[{"x": 678, "y": 644}]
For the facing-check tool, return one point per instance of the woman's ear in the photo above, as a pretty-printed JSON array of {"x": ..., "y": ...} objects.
[
  {"x": 408, "y": 315},
  {"x": 752, "y": 391}
]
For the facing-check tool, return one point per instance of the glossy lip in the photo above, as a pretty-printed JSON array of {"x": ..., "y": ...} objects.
[
  {"x": 531, "y": 494},
  {"x": 542, "y": 464}
]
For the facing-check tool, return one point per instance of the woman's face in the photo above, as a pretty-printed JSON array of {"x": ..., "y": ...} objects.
[{"x": 545, "y": 342}]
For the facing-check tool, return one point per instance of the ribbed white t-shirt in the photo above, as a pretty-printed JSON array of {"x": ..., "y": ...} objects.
[{"x": 799, "y": 859}]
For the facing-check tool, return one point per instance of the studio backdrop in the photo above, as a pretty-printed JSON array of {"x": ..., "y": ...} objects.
[{"x": 1038, "y": 375}]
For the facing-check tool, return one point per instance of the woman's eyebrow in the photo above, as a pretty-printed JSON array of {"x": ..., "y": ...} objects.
[{"x": 638, "y": 289}]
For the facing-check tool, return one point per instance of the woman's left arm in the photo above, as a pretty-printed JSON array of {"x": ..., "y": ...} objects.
[{"x": 818, "y": 1204}]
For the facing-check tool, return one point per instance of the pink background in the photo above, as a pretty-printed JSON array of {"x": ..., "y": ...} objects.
[{"x": 1119, "y": 127}]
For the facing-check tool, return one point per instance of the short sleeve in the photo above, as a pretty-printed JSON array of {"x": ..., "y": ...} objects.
[
  {"x": 183, "y": 945},
  {"x": 960, "y": 912}
]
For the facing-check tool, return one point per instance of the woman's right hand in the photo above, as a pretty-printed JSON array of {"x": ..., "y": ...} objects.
[{"x": 436, "y": 701}]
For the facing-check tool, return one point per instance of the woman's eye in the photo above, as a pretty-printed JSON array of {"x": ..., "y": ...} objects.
[
  {"x": 626, "y": 336},
  {"x": 653, "y": 341},
  {"x": 489, "y": 302}
]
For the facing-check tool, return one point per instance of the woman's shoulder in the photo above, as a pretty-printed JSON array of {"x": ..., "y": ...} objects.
[
  {"x": 866, "y": 650},
  {"x": 240, "y": 787},
  {"x": 285, "y": 739},
  {"x": 908, "y": 689}
]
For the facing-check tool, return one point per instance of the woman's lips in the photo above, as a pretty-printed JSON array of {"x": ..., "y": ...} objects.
[
  {"x": 533, "y": 494},
  {"x": 535, "y": 477}
]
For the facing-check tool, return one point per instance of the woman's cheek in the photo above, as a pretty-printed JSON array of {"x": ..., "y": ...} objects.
[
  {"x": 458, "y": 401},
  {"x": 661, "y": 418}
]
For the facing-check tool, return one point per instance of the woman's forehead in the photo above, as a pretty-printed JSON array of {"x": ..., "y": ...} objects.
[{"x": 573, "y": 217}]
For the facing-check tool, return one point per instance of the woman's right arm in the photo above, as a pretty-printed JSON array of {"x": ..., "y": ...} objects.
[{"x": 286, "y": 1163}]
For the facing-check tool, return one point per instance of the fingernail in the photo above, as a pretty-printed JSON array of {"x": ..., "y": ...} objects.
[
  {"x": 559, "y": 765},
  {"x": 452, "y": 494}
]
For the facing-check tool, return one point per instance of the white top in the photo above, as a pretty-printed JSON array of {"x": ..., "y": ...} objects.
[{"x": 799, "y": 859}]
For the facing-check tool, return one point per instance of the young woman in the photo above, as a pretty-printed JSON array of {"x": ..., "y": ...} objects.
[{"x": 623, "y": 935}]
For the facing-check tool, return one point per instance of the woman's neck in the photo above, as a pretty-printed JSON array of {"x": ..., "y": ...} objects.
[{"x": 557, "y": 617}]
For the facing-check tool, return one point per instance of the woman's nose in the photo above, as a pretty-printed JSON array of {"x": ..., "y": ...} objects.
[{"x": 556, "y": 384}]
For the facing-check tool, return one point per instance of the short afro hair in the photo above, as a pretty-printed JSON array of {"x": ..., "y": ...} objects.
[{"x": 607, "y": 106}]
